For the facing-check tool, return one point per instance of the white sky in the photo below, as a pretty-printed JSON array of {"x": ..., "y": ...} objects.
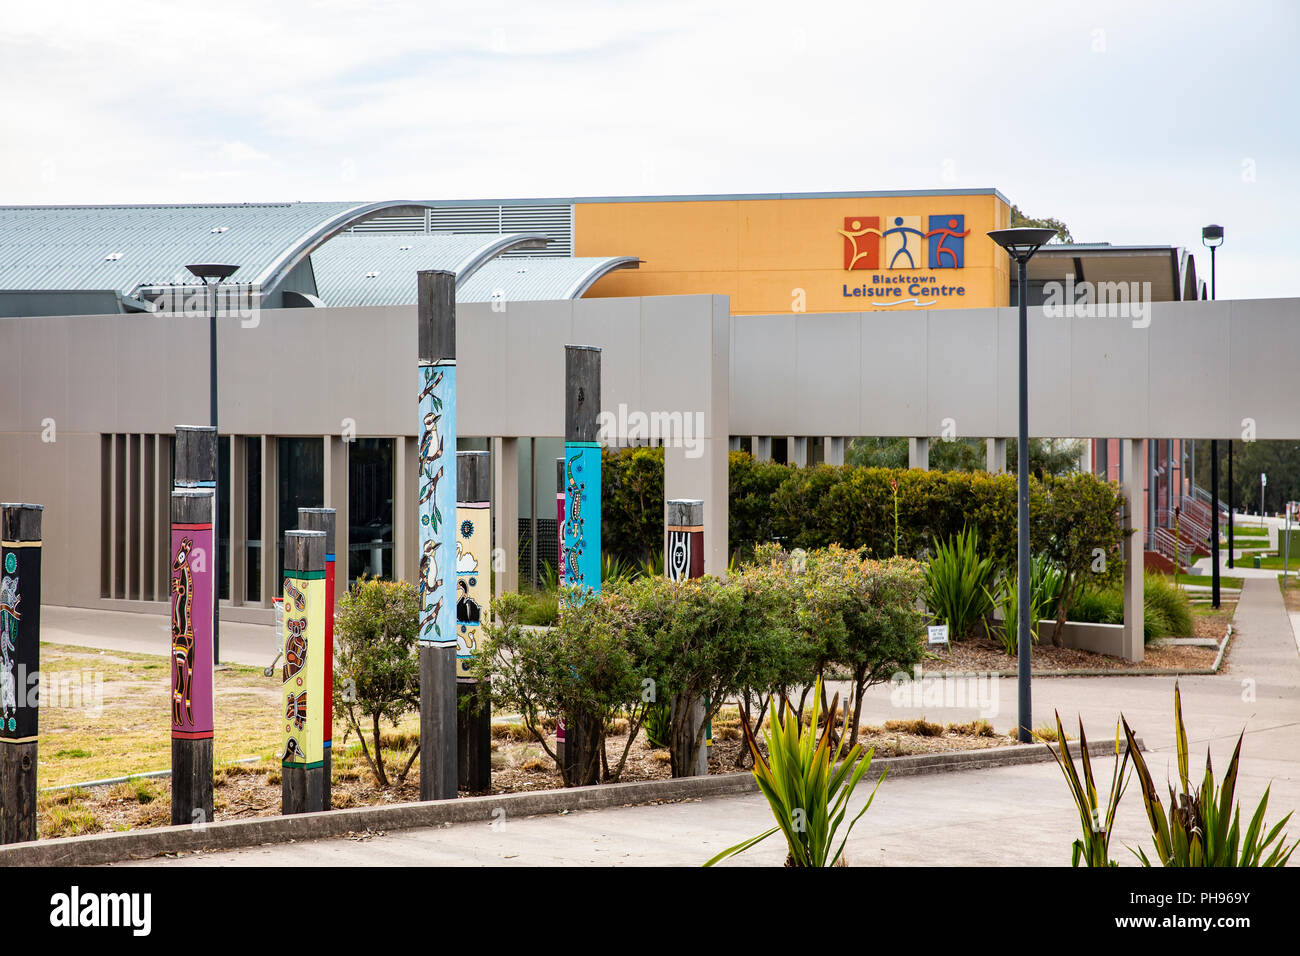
[{"x": 1133, "y": 122}]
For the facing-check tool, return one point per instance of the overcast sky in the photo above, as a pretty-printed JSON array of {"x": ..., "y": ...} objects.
[{"x": 1133, "y": 122}]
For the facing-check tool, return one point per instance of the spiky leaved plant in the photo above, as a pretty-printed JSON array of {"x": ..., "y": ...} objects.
[{"x": 1093, "y": 848}]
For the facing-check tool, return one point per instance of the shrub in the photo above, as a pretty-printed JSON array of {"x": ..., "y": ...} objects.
[
  {"x": 658, "y": 726},
  {"x": 1098, "y": 606},
  {"x": 1202, "y": 827},
  {"x": 957, "y": 583},
  {"x": 584, "y": 668},
  {"x": 1169, "y": 604},
  {"x": 376, "y": 670},
  {"x": 807, "y": 787}
]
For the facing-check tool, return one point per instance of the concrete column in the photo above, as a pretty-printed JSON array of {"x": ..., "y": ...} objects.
[
  {"x": 238, "y": 520},
  {"x": 270, "y": 519},
  {"x": 505, "y": 509},
  {"x": 995, "y": 456},
  {"x": 763, "y": 447},
  {"x": 834, "y": 451},
  {"x": 406, "y": 520},
  {"x": 918, "y": 453},
  {"x": 1135, "y": 560},
  {"x": 797, "y": 450}
]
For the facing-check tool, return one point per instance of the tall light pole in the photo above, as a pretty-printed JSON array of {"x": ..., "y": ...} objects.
[
  {"x": 1021, "y": 244},
  {"x": 1212, "y": 238},
  {"x": 212, "y": 275}
]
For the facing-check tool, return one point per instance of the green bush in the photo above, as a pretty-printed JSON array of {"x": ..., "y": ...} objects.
[
  {"x": 957, "y": 582},
  {"x": 1168, "y": 605},
  {"x": 1098, "y": 606},
  {"x": 376, "y": 669},
  {"x": 658, "y": 725},
  {"x": 1046, "y": 578}
]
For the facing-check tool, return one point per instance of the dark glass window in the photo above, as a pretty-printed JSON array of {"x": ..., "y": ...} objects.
[
  {"x": 253, "y": 528},
  {"x": 370, "y": 508},
  {"x": 302, "y": 484}
]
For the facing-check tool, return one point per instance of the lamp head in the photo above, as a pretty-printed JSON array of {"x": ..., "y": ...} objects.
[
  {"x": 1212, "y": 236},
  {"x": 215, "y": 272},
  {"x": 1023, "y": 241}
]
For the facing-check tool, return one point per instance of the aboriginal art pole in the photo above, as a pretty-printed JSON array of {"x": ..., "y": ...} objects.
[
  {"x": 684, "y": 559},
  {"x": 20, "y": 665},
  {"x": 559, "y": 580},
  {"x": 581, "y": 522},
  {"x": 436, "y": 506},
  {"x": 194, "y": 610},
  {"x": 473, "y": 594},
  {"x": 325, "y": 519},
  {"x": 302, "y": 676}
]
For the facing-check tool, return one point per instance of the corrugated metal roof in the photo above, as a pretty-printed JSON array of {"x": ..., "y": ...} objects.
[
  {"x": 121, "y": 248},
  {"x": 379, "y": 269},
  {"x": 524, "y": 280}
]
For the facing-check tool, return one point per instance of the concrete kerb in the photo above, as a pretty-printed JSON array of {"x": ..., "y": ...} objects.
[{"x": 234, "y": 834}]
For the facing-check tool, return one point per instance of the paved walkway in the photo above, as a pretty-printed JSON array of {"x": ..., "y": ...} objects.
[
  {"x": 252, "y": 644},
  {"x": 1003, "y": 816}
]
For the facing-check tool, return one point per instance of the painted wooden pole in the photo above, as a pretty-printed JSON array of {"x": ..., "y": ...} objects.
[
  {"x": 193, "y": 620},
  {"x": 20, "y": 666},
  {"x": 581, "y": 519},
  {"x": 436, "y": 324},
  {"x": 302, "y": 676},
  {"x": 559, "y": 580},
  {"x": 325, "y": 519},
  {"x": 684, "y": 559},
  {"x": 473, "y": 605}
]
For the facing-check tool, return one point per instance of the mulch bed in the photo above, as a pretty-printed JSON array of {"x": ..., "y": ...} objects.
[{"x": 983, "y": 654}]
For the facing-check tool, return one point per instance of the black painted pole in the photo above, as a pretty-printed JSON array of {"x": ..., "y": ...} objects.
[
  {"x": 1025, "y": 718},
  {"x": 436, "y": 506},
  {"x": 1231, "y": 506},
  {"x": 20, "y": 658},
  {"x": 1214, "y": 506}
]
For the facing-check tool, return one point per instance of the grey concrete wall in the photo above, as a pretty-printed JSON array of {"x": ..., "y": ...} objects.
[
  {"x": 306, "y": 371},
  {"x": 1196, "y": 371}
]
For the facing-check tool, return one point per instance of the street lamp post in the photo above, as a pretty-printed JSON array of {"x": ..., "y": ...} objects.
[
  {"x": 1021, "y": 244},
  {"x": 212, "y": 275},
  {"x": 1212, "y": 238}
]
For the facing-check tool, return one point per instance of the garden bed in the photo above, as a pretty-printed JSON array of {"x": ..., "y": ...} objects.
[{"x": 244, "y": 791}]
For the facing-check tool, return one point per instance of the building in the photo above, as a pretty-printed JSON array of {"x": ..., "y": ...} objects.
[{"x": 741, "y": 308}]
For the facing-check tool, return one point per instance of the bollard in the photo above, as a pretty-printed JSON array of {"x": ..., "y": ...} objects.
[
  {"x": 473, "y": 573},
  {"x": 436, "y": 505},
  {"x": 302, "y": 675},
  {"x": 581, "y": 520},
  {"x": 326, "y": 519},
  {"x": 559, "y": 583},
  {"x": 20, "y": 666},
  {"x": 684, "y": 559}
]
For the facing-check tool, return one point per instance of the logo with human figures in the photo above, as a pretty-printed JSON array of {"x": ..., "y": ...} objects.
[{"x": 903, "y": 242}]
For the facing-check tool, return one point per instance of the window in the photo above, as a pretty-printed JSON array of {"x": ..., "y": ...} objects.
[
  {"x": 370, "y": 508},
  {"x": 302, "y": 484}
]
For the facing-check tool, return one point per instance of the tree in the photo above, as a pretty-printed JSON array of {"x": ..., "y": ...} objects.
[
  {"x": 1081, "y": 533},
  {"x": 1018, "y": 219},
  {"x": 376, "y": 670},
  {"x": 1279, "y": 459},
  {"x": 1047, "y": 457},
  {"x": 632, "y": 503}
]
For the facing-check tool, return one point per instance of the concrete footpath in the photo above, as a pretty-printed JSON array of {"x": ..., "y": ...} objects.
[
  {"x": 251, "y": 644},
  {"x": 1020, "y": 815}
]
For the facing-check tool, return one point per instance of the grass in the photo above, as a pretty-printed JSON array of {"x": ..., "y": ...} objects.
[
  {"x": 110, "y": 715},
  {"x": 1208, "y": 581},
  {"x": 1273, "y": 560}
]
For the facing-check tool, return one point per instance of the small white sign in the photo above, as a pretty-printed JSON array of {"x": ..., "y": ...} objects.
[{"x": 938, "y": 633}]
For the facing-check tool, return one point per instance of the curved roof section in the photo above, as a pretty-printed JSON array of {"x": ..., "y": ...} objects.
[
  {"x": 379, "y": 269},
  {"x": 122, "y": 248},
  {"x": 523, "y": 280}
]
